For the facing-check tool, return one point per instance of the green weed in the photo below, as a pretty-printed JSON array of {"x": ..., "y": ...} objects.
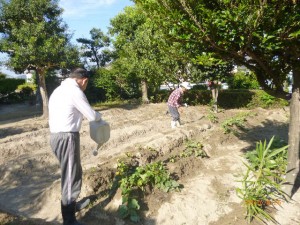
[
  {"x": 230, "y": 125},
  {"x": 191, "y": 149},
  {"x": 212, "y": 117},
  {"x": 132, "y": 179},
  {"x": 261, "y": 184}
]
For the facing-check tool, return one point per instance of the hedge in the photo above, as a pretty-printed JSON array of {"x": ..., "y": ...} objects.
[
  {"x": 9, "y": 85},
  {"x": 227, "y": 98}
]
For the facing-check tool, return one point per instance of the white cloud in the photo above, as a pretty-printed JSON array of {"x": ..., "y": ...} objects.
[{"x": 80, "y": 8}]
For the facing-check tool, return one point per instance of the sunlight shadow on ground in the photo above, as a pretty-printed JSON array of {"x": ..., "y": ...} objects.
[
  {"x": 21, "y": 192},
  {"x": 266, "y": 131}
]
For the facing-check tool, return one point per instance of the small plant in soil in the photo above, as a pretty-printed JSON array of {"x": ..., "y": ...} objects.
[
  {"x": 192, "y": 148},
  {"x": 230, "y": 125},
  {"x": 136, "y": 178},
  {"x": 261, "y": 184},
  {"x": 212, "y": 117}
]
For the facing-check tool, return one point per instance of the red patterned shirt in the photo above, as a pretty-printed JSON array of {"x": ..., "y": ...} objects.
[{"x": 175, "y": 97}]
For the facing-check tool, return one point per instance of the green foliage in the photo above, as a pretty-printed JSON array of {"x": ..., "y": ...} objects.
[
  {"x": 2, "y": 76},
  {"x": 192, "y": 148},
  {"x": 52, "y": 81},
  {"x": 211, "y": 116},
  {"x": 36, "y": 38},
  {"x": 258, "y": 41},
  {"x": 210, "y": 68},
  {"x": 227, "y": 98},
  {"x": 236, "y": 122},
  {"x": 199, "y": 87},
  {"x": 9, "y": 85},
  {"x": 143, "y": 54},
  {"x": 27, "y": 90},
  {"x": 243, "y": 80},
  {"x": 35, "y": 35},
  {"x": 261, "y": 184},
  {"x": 132, "y": 179},
  {"x": 236, "y": 98},
  {"x": 93, "y": 92},
  {"x": 277, "y": 163},
  {"x": 96, "y": 49},
  {"x": 116, "y": 86},
  {"x": 266, "y": 100}
]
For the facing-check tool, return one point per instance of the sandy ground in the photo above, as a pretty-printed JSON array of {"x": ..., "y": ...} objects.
[{"x": 30, "y": 184}]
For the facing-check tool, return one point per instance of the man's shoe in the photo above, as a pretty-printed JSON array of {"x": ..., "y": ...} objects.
[
  {"x": 178, "y": 123},
  {"x": 82, "y": 204},
  {"x": 68, "y": 214}
]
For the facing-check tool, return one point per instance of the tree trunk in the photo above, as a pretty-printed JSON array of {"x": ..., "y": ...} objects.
[
  {"x": 43, "y": 91},
  {"x": 291, "y": 185},
  {"x": 145, "y": 99}
]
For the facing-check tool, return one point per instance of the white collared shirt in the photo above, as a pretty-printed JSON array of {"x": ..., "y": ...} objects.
[{"x": 67, "y": 106}]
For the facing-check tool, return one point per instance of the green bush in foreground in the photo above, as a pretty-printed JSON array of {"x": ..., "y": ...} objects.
[
  {"x": 132, "y": 179},
  {"x": 261, "y": 184}
]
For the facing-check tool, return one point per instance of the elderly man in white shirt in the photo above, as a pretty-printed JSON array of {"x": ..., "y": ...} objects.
[{"x": 67, "y": 107}]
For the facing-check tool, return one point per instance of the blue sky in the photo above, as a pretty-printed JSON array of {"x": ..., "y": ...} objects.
[{"x": 83, "y": 15}]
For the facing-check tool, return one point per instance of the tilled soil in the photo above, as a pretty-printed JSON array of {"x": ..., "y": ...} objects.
[{"x": 30, "y": 184}]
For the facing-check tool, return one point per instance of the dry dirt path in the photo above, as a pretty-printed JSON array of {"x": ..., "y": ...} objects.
[{"x": 30, "y": 174}]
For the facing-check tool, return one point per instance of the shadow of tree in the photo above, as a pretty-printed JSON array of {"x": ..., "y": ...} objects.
[
  {"x": 24, "y": 181},
  {"x": 13, "y": 131},
  {"x": 9, "y": 219},
  {"x": 265, "y": 131},
  {"x": 18, "y": 112}
]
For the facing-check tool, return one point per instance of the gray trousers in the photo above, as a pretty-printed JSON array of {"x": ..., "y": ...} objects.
[
  {"x": 174, "y": 113},
  {"x": 66, "y": 147}
]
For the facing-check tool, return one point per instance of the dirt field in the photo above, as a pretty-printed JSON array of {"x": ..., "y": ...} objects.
[{"x": 30, "y": 176}]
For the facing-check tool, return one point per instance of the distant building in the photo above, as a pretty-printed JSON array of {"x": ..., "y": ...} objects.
[{"x": 29, "y": 76}]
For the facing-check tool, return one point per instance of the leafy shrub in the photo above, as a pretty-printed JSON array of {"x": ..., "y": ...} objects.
[
  {"x": 227, "y": 98},
  {"x": 27, "y": 89},
  {"x": 133, "y": 178},
  {"x": 212, "y": 117},
  {"x": 9, "y": 85},
  {"x": 261, "y": 184},
  {"x": 11, "y": 98},
  {"x": 199, "y": 87},
  {"x": 264, "y": 100},
  {"x": 277, "y": 163},
  {"x": 230, "y": 125},
  {"x": 116, "y": 86},
  {"x": 8, "y": 90},
  {"x": 235, "y": 98},
  {"x": 27, "y": 92},
  {"x": 242, "y": 80},
  {"x": 192, "y": 149}
]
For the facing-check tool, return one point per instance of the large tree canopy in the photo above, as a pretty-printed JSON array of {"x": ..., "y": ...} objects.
[
  {"x": 34, "y": 36},
  {"x": 143, "y": 51},
  {"x": 136, "y": 48},
  {"x": 262, "y": 35}
]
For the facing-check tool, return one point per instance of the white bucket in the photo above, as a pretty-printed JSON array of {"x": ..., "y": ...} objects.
[{"x": 100, "y": 131}]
